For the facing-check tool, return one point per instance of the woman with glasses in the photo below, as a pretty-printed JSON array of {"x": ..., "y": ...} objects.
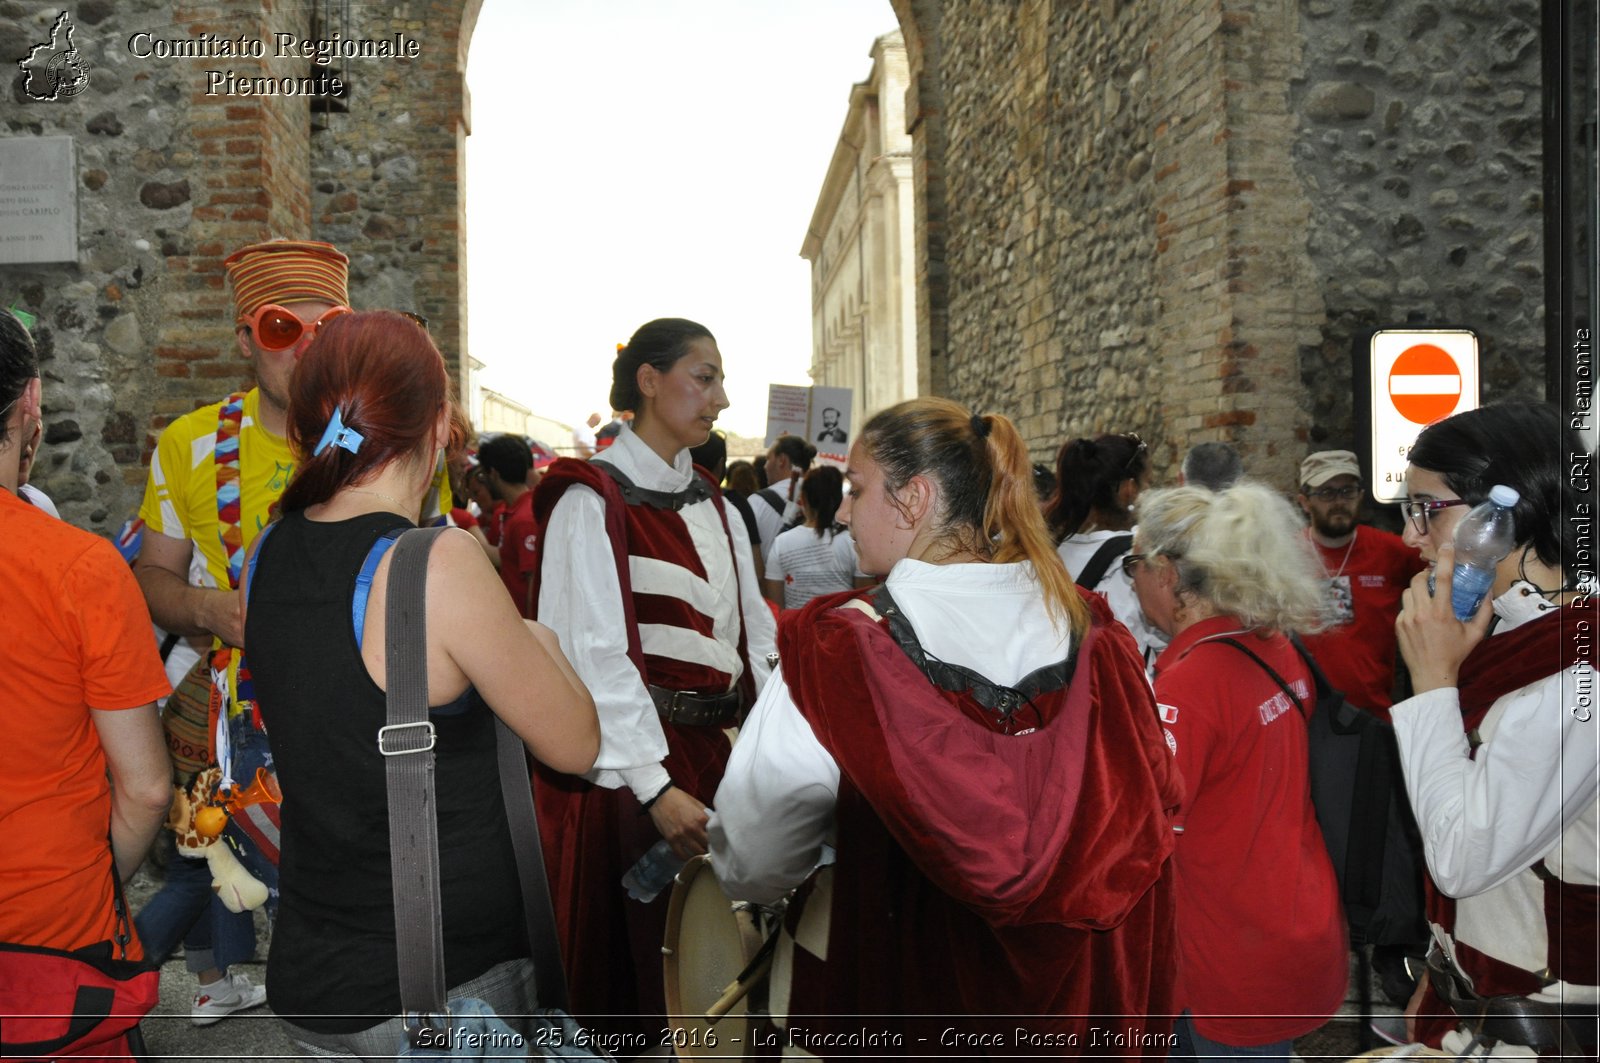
[
  {"x": 646, "y": 575},
  {"x": 1498, "y": 743},
  {"x": 973, "y": 750},
  {"x": 368, "y": 417},
  {"x": 1091, "y": 514},
  {"x": 1228, "y": 576}
]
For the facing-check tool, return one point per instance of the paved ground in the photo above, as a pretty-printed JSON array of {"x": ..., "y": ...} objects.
[
  {"x": 257, "y": 1034},
  {"x": 170, "y": 1035}
]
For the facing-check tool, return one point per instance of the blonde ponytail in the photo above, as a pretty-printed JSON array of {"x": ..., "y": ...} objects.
[
  {"x": 1013, "y": 523},
  {"x": 986, "y": 482}
]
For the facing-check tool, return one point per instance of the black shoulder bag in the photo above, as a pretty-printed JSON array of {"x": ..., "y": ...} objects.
[{"x": 1361, "y": 806}]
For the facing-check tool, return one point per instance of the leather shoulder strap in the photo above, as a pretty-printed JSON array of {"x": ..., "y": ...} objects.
[
  {"x": 407, "y": 744},
  {"x": 634, "y": 495},
  {"x": 1002, "y": 700}
]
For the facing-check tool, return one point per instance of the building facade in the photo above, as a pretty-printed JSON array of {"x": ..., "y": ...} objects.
[{"x": 861, "y": 246}]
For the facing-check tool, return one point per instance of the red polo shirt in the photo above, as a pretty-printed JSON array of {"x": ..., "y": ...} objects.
[
  {"x": 1366, "y": 578},
  {"x": 1261, "y": 939}
]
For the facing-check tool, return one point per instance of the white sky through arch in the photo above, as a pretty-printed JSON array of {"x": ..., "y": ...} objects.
[{"x": 632, "y": 159}]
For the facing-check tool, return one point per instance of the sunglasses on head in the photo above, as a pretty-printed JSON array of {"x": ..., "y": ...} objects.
[{"x": 277, "y": 328}]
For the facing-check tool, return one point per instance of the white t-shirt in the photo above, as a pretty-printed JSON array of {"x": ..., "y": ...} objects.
[
  {"x": 810, "y": 565},
  {"x": 1116, "y": 588},
  {"x": 771, "y": 521}
]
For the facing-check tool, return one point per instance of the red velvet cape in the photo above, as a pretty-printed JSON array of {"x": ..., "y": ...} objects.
[
  {"x": 610, "y": 944},
  {"x": 981, "y": 874}
]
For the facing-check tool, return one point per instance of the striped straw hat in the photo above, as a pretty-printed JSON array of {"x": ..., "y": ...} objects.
[{"x": 283, "y": 271}]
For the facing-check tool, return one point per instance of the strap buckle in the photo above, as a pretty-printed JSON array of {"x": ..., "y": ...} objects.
[
  {"x": 427, "y": 742},
  {"x": 424, "y": 1030}
]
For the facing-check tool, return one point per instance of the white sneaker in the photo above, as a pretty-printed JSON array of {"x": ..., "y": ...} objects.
[{"x": 231, "y": 993}]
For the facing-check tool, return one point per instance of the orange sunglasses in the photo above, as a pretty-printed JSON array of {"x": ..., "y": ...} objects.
[{"x": 278, "y": 328}]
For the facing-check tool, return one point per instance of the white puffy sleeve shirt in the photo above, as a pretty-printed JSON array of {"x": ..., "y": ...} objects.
[
  {"x": 1531, "y": 794},
  {"x": 774, "y": 809},
  {"x": 580, "y": 600}
]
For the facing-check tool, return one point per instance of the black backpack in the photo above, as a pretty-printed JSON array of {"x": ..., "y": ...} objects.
[{"x": 1361, "y": 804}]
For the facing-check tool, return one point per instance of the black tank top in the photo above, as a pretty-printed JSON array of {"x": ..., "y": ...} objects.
[{"x": 332, "y": 967}]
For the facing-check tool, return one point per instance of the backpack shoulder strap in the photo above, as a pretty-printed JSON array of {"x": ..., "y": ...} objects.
[
  {"x": 1002, "y": 700},
  {"x": 1265, "y": 667},
  {"x": 773, "y": 499},
  {"x": 369, "y": 569},
  {"x": 1101, "y": 562}
]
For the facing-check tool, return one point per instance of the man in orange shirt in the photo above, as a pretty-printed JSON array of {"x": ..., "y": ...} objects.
[{"x": 79, "y": 674}]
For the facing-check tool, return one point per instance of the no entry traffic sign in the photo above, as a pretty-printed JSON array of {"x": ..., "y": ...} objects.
[
  {"x": 1418, "y": 377},
  {"x": 1425, "y": 384}
]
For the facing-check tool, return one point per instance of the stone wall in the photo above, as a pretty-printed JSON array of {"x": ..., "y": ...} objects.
[
  {"x": 1418, "y": 139},
  {"x": 171, "y": 178},
  {"x": 387, "y": 180},
  {"x": 1173, "y": 217}
]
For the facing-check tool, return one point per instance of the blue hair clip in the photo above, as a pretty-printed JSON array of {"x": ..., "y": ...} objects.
[{"x": 337, "y": 434}]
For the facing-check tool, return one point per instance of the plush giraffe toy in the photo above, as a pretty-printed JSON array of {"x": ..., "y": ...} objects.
[{"x": 197, "y": 825}]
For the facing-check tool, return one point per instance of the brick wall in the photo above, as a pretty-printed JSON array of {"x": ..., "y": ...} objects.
[
  {"x": 388, "y": 175},
  {"x": 170, "y": 179}
]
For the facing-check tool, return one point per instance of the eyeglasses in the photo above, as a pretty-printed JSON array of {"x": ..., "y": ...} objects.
[
  {"x": 1131, "y": 562},
  {"x": 1418, "y": 512},
  {"x": 1343, "y": 494},
  {"x": 278, "y": 328},
  {"x": 416, "y": 319}
]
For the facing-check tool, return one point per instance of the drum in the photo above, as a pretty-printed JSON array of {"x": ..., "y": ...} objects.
[{"x": 706, "y": 965}]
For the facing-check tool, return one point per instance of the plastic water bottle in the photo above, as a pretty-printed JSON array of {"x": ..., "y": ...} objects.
[
  {"x": 1483, "y": 539},
  {"x": 653, "y": 872}
]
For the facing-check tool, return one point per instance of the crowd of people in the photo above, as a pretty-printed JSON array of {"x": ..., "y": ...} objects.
[{"x": 999, "y": 739}]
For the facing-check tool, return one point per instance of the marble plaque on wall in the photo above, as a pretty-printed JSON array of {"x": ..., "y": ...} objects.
[{"x": 38, "y": 200}]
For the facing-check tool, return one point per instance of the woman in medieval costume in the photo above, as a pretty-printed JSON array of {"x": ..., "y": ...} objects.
[
  {"x": 1498, "y": 743},
  {"x": 658, "y": 607},
  {"x": 976, "y": 744}
]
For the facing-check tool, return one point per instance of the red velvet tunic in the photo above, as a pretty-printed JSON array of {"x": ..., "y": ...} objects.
[
  {"x": 1020, "y": 876},
  {"x": 1496, "y": 667},
  {"x": 611, "y": 945}
]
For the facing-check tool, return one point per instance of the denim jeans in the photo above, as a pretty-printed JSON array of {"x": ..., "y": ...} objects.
[
  {"x": 186, "y": 909},
  {"x": 507, "y": 987},
  {"x": 1192, "y": 1046}
]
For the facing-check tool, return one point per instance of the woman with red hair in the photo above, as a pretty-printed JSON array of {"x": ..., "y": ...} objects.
[{"x": 369, "y": 413}]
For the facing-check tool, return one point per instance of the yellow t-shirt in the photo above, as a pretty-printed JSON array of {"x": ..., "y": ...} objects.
[{"x": 180, "y": 497}]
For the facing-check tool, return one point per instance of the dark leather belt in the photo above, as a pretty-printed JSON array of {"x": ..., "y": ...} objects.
[
  {"x": 696, "y": 710},
  {"x": 1514, "y": 1020}
]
